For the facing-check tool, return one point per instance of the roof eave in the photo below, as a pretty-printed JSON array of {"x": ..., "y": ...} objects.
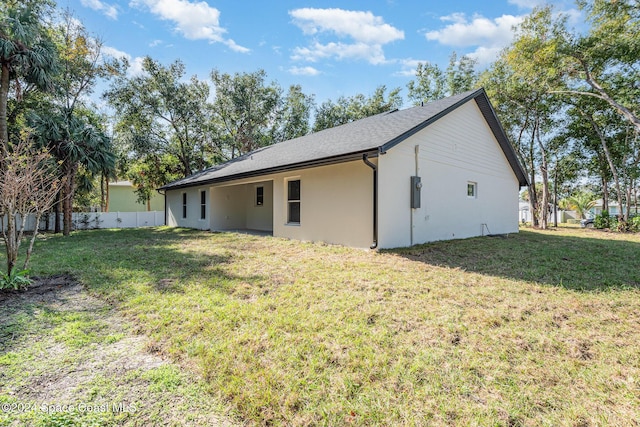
[{"x": 326, "y": 161}]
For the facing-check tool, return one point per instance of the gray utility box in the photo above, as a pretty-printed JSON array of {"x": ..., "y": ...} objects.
[{"x": 416, "y": 186}]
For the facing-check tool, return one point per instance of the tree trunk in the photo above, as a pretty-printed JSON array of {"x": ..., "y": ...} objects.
[
  {"x": 67, "y": 202},
  {"x": 544, "y": 208},
  {"x": 106, "y": 205},
  {"x": 10, "y": 241},
  {"x": 56, "y": 209},
  {"x": 605, "y": 194},
  {"x": 555, "y": 195},
  {"x": 4, "y": 97}
]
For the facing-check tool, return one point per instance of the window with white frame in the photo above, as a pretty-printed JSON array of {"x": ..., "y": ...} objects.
[
  {"x": 293, "y": 201},
  {"x": 203, "y": 204},
  {"x": 184, "y": 205},
  {"x": 472, "y": 190}
]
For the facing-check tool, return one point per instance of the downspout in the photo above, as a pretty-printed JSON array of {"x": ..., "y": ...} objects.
[
  {"x": 365, "y": 159},
  {"x": 165, "y": 205}
]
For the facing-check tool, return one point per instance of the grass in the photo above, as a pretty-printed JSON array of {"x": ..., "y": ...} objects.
[{"x": 540, "y": 328}]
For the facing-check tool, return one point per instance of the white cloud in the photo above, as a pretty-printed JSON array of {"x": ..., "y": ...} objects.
[
  {"x": 318, "y": 51},
  {"x": 97, "y": 5},
  {"x": 194, "y": 20},
  {"x": 135, "y": 64},
  {"x": 489, "y": 36},
  {"x": 409, "y": 66},
  {"x": 304, "y": 71},
  {"x": 155, "y": 43},
  {"x": 367, "y": 32},
  {"x": 527, "y": 4}
]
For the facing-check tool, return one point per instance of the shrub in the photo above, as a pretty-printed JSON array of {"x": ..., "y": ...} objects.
[
  {"x": 602, "y": 220},
  {"x": 16, "y": 280}
]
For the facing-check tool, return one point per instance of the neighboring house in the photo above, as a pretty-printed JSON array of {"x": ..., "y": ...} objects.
[
  {"x": 441, "y": 171},
  {"x": 614, "y": 209},
  {"x": 122, "y": 198}
]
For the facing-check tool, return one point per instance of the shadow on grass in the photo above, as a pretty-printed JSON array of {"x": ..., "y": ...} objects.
[
  {"x": 165, "y": 259},
  {"x": 572, "y": 262}
]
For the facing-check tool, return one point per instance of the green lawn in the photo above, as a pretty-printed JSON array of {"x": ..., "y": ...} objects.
[{"x": 539, "y": 328}]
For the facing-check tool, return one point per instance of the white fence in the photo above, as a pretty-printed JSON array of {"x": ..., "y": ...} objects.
[{"x": 90, "y": 220}]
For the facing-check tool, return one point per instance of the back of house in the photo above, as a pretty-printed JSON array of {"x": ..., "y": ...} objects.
[{"x": 440, "y": 171}]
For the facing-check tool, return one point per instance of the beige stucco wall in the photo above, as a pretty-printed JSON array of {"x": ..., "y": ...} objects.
[
  {"x": 193, "y": 220},
  {"x": 233, "y": 207},
  {"x": 336, "y": 205},
  {"x": 457, "y": 149}
]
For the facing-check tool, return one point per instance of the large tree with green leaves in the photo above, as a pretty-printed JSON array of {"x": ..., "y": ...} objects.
[
  {"x": 432, "y": 83},
  {"x": 158, "y": 113},
  {"x": 348, "y": 109},
  {"x": 27, "y": 55},
  {"x": 604, "y": 62},
  {"x": 67, "y": 126},
  {"x": 246, "y": 112},
  {"x": 519, "y": 89}
]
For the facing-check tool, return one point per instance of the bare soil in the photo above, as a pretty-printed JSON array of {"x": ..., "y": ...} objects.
[{"x": 106, "y": 370}]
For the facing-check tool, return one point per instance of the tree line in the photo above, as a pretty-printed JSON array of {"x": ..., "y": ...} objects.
[{"x": 567, "y": 99}]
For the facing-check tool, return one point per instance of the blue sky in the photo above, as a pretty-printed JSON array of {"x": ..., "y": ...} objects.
[{"x": 330, "y": 48}]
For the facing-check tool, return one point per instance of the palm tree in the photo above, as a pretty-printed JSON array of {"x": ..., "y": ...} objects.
[
  {"x": 581, "y": 202},
  {"x": 25, "y": 53},
  {"x": 75, "y": 142}
]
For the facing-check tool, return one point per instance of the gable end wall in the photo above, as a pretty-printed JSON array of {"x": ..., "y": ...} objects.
[{"x": 457, "y": 149}]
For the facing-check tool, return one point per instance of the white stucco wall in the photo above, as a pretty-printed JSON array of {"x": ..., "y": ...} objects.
[{"x": 455, "y": 150}]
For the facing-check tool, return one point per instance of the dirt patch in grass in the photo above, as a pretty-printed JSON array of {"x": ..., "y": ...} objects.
[{"x": 68, "y": 358}]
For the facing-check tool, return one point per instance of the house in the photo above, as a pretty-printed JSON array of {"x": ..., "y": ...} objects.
[
  {"x": 440, "y": 171},
  {"x": 122, "y": 198}
]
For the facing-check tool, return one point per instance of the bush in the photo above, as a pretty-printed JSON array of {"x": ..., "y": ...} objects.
[
  {"x": 16, "y": 280},
  {"x": 602, "y": 220},
  {"x": 634, "y": 223}
]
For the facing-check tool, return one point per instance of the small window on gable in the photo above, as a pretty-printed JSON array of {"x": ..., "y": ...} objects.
[
  {"x": 203, "y": 204},
  {"x": 472, "y": 190},
  {"x": 293, "y": 201},
  {"x": 184, "y": 205},
  {"x": 259, "y": 196}
]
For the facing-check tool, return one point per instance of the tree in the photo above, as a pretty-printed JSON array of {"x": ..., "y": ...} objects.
[
  {"x": 606, "y": 58},
  {"x": 26, "y": 53},
  {"x": 294, "y": 120},
  {"x": 246, "y": 112},
  {"x": 28, "y": 186},
  {"x": 431, "y": 83},
  {"x": 68, "y": 129},
  {"x": 581, "y": 202},
  {"x": 158, "y": 113},
  {"x": 518, "y": 83},
  {"x": 346, "y": 110}
]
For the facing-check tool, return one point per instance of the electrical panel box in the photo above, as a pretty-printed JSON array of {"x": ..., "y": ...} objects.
[{"x": 416, "y": 186}]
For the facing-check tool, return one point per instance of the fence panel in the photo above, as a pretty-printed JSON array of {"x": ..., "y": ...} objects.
[{"x": 92, "y": 220}]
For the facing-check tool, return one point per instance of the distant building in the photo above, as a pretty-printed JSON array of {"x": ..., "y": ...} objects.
[{"x": 122, "y": 198}]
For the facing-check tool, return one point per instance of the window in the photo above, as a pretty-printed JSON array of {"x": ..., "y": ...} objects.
[
  {"x": 203, "y": 204},
  {"x": 259, "y": 196},
  {"x": 472, "y": 190},
  {"x": 293, "y": 201},
  {"x": 184, "y": 205}
]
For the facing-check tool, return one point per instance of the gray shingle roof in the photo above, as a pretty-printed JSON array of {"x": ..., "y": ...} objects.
[{"x": 373, "y": 135}]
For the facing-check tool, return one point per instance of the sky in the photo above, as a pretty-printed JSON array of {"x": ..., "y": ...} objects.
[{"x": 330, "y": 48}]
